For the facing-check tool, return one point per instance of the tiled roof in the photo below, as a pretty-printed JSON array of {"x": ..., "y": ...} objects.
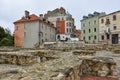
[
  {"x": 31, "y": 18},
  {"x": 78, "y": 31}
]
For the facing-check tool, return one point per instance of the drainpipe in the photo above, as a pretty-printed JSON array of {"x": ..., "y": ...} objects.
[{"x": 39, "y": 32}]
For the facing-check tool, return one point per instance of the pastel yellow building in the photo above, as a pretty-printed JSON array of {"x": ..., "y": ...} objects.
[{"x": 109, "y": 28}]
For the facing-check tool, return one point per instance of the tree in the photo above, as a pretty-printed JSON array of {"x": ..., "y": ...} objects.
[
  {"x": 2, "y": 33},
  {"x": 6, "y": 38},
  {"x": 5, "y": 42}
]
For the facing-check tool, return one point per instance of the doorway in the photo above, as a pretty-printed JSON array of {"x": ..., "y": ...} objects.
[{"x": 114, "y": 38}]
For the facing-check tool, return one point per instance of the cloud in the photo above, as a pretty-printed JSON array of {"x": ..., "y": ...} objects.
[{"x": 10, "y": 11}]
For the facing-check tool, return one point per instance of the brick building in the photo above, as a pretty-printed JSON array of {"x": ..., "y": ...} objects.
[
  {"x": 78, "y": 34},
  {"x": 63, "y": 22},
  {"x": 31, "y": 30}
]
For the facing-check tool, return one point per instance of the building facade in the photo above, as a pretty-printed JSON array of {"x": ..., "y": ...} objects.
[
  {"x": 90, "y": 27},
  {"x": 78, "y": 34},
  {"x": 31, "y": 30},
  {"x": 109, "y": 28},
  {"x": 63, "y": 22}
]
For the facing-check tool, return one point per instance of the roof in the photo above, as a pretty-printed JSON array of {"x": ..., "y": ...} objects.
[
  {"x": 62, "y": 10},
  {"x": 32, "y": 17},
  {"x": 110, "y": 13},
  {"x": 78, "y": 31}
]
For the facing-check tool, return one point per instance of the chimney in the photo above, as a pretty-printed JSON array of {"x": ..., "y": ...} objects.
[
  {"x": 41, "y": 15},
  {"x": 26, "y": 14}
]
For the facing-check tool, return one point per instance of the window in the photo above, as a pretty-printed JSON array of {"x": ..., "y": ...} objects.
[
  {"x": 16, "y": 28},
  {"x": 102, "y": 20},
  {"x": 58, "y": 19},
  {"x": 94, "y": 21},
  {"x": 89, "y": 30},
  {"x": 42, "y": 34},
  {"x": 67, "y": 30},
  {"x": 24, "y": 34},
  {"x": 102, "y": 37},
  {"x": 89, "y": 38},
  {"x": 94, "y": 29},
  {"x": 114, "y": 17},
  {"x": 84, "y": 38},
  {"x": 107, "y": 21},
  {"x": 58, "y": 37},
  {"x": 58, "y": 25},
  {"x": 83, "y": 31},
  {"x": 70, "y": 30},
  {"x": 89, "y": 23},
  {"x": 108, "y": 36},
  {"x": 69, "y": 24},
  {"x": 58, "y": 30},
  {"x": 42, "y": 40},
  {"x": 83, "y": 24},
  {"x": 62, "y": 19},
  {"x": 95, "y": 37},
  {"x": 114, "y": 27}
]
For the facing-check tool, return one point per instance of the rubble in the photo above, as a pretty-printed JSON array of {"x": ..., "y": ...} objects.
[
  {"x": 84, "y": 52},
  {"x": 58, "y": 65},
  {"x": 16, "y": 58},
  {"x": 116, "y": 51},
  {"x": 100, "y": 67},
  {"x": 23, "y": 57}
]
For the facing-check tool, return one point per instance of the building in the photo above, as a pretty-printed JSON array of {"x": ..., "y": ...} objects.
[
  {"x": 78, "y": 34},
  {"x": 63, "y": 22},
  {"x": 31, "y": 30},
  {"x": 90, "y": 27},
  {"x": 109, "y": 28}
]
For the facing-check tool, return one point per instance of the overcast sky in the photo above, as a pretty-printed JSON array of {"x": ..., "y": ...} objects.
[{"x": 12, "y": 10}]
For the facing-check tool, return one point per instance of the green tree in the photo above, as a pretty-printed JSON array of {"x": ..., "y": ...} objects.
[
  {"x": 2, "y": 33},
  {"x": 6, "y": 38},
  {"x": 5, "y": 42}
]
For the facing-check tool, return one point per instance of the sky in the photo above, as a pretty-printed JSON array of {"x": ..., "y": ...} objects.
[{"x": 12, "y": 10}]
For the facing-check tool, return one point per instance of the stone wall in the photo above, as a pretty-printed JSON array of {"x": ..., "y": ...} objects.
[
  {"x": 84, "y": 52},
  {"x": 15, "y": 59},
  {"x": 96, "y": 68},
  {"x": 23, "y": 57},
  {"x": 64, "y": 45}
]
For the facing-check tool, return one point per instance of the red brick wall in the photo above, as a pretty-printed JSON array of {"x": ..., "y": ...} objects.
[
  {"x": 62, "y": 27},
  {"x": 19, "y": 34}
]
